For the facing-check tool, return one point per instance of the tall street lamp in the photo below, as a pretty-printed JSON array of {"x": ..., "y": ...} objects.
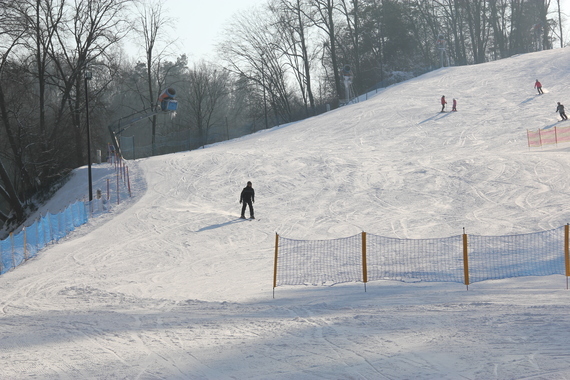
[
  {"x": 87, "y": 75},
  {"x": 263, "y": 78}
]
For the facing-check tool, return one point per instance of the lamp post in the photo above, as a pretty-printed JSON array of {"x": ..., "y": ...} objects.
[
  {"x": 263, "y": 78},
  {"x": 442, "y": 48},
  {"x": 87, "y": 75}
]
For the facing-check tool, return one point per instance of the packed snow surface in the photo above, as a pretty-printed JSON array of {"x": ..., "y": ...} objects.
[{"x": 171, "y": 284}]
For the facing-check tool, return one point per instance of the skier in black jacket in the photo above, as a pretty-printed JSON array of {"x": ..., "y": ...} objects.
[
  {"x": 560, "y": 110},
  {"x": 247, "y": 197}
]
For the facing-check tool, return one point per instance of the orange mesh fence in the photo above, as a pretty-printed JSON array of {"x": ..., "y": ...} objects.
[
  {"x": 535, "y": 254},
  {"x": 533, "y": 139},
  {"x": 563, "y": 134},
  {"x": 303, "y": 262},
  {"x": 462, "y": 259},
  {"x": 415, "y": 259},
  {"x": 548, "y": 136}
]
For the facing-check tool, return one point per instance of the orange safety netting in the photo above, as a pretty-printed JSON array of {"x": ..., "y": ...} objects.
[{"x": 548, "y": 136}]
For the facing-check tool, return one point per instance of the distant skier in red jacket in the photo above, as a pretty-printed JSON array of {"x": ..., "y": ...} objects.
[
  {"x": 538, "y": 86},
  {"x": 443, "y": 103}
]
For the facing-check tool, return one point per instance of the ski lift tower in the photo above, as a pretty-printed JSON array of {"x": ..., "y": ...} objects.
[
  {"x": 164, "y": 104},
  {"x": 441, "y": 44},
  {"x": 348, "y": 77}
]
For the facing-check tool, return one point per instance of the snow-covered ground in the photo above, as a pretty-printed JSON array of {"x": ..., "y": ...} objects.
[{"x": 172, "y": 285}]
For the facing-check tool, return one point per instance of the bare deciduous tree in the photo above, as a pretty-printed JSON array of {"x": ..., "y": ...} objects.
[
  {"x": 295, "y": 23},
  {"x": 250, "y": 52},
  {"x": 41, "y": 98},
  {"x": 325, "y": 20},
  {"x": 206, "y": 87}
]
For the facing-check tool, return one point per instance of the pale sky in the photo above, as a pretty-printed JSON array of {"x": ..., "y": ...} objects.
[{"x": 198, "y": 25}]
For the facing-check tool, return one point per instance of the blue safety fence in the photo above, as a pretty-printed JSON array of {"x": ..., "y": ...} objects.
[
  {"x": 19, "y": 247},
  {"x": 26, "y": 244}
]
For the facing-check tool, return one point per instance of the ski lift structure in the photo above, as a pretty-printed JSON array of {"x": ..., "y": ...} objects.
[
  {"x": 441, "y": 45},
  {"x": 165, "y": 104},
  {"x": 348, "y": 78}
]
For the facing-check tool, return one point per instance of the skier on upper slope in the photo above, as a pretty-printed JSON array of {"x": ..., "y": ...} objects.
[
  {"x": 247, "y": 197},
  {"x": 443, "y": 103},
  {"x": 560, "y": 110},
  {"x": 538, "y": 86}
]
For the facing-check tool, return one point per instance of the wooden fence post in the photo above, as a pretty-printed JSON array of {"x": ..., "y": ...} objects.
[
  {"x": 567, "y": 251},
  {"x": 1, "y": 259},
  {"x": 465, "y": 260},
  {"x": 129, "y": 182},
  {"x": 25, "y": 244},
  {"x": 275, "y": 263},
  {"x": 527, "y": 139},
  {"x": 364, "y": 265},
  {"x": 118, "y": 190},
  {"x": 13, "y": 250}
]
